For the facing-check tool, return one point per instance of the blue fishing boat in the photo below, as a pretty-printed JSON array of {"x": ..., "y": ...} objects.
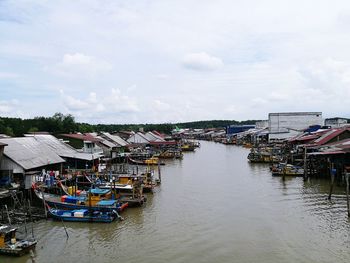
[
  {"x": 67, "y": 202},
  {"x": 83, "y": 215}
]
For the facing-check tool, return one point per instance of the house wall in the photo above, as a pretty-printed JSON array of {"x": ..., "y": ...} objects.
[
  {"x": 8, "y": 164},
  {"x": 1, "y": 153}
]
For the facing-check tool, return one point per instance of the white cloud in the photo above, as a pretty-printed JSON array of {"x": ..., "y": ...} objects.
[
  {"x": 201, "y": 61},
  {"x": 76, "y": 59},
  {"x": 99, "y": 105},
  {"x": 81, "y": 65}
]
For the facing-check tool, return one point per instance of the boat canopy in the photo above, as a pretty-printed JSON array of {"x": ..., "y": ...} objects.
[
  {"x": 99, "y": 191},
  {"x": 106, "y": 202},
  {"x": 6, "y": 229}
]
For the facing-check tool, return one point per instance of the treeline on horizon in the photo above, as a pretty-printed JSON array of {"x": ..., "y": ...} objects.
[{"x": 60, "y": 123}]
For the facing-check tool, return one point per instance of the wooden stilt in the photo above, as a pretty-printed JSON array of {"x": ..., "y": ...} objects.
[
  {"x": 305, "y": 164},
  {"x": 31, "y": 217},
  {"x": 159, "y": 172},
  {"x": 44, "y": 203},
  {"x": 347, "y": 175},
  {"x": 332, "y": 182}
]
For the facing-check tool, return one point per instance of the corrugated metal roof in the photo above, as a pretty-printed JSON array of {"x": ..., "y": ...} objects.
[
  {"x": 329, "y": 135},
  {"x": 327, "y": 153},
  {"x": 108, "y": 143},
  {"x": 29, "y": 153},
  {"x": 63, "y": 149},
  {"x": 153, "y": 137},
  {"x": 82, "y": 137},
  {"x": 115, "y": 138},
  {"x": 138, "y": 138}
]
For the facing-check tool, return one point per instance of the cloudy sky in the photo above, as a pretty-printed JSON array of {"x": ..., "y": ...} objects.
[{"x": 155, "y": 61}]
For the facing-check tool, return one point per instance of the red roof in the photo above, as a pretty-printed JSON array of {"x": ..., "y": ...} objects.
[
  {"x": 158, "y": 133},
  {"x": 83, "y": 137},
  {"x": 307, "y": 137},
  {"x": 329, "y": 136}
]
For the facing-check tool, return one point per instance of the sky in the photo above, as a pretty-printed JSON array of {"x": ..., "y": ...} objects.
[{"x": 157, "y": 61}]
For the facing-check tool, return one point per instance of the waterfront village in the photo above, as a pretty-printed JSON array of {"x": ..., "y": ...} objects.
[{"x": 94, "y": 177}]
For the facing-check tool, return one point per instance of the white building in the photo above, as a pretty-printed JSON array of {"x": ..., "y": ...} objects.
[
  {"x": 262, "y": 124},
  {"x": 289, "y": 124},
  {"x": 336, "y": 122}
]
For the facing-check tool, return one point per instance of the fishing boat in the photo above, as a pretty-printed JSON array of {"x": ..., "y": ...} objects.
[
  {"x": 83, "y": 215},
  {"x": 127, "y": 188},
  {"x": 10, "y": 245},
  {"x": 95, "y": 202},
  {"x": 283, "y": 169},
  {"x": 170, "y": 154},
  {"x": 187, "y": 148},
  {"x": 149, "y": 161}
]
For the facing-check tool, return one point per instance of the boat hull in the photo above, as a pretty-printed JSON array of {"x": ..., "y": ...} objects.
[
  {"x": 87, "y": 218},
  {"x": 17, "y": 252}
]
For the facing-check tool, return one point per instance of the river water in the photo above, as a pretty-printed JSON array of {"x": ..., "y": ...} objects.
[{"x": 212, "y": 206}]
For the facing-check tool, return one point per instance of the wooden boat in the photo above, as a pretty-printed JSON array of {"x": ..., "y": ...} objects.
[
  {"x": 170, "y": 154},
  {"x": 128, "y": 189},
  {"x": 80, "y": 202},
  {"x": 149, "y": 161},
  {"x": 10, "y": 245},
  {"x": 283, "y": 169},
  {"x": 83, "y": 215},
  {"x": 263, "y": 157},
  {"x": 187, "y": 148}
]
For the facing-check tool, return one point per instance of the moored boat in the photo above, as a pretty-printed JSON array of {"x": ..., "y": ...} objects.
[
  {"x": 283, "y": 169},
  {"x": 149, "y": 161},
  {"x": 10, "y": 245},
  {"x": 83, "y": 215},
  {"x": 80, "y": 202}
]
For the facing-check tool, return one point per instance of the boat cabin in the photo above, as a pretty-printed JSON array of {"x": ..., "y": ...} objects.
[
  {"x": 97, "y": 195},
  {"x": 7, "y": 234}
]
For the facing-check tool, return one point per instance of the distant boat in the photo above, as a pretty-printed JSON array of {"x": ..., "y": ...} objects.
[
  {"x": 283, "y": 169},
  {"x": 187, "y": 148},
  {"x": 10, "y": 245},
  {"x": 83, "y": 215},
  {"x": 149, "y": 161}
]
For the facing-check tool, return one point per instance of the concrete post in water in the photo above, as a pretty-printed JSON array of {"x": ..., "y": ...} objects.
[{"x": 42, "y": 193}]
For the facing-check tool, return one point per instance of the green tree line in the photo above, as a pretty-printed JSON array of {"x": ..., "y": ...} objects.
[{"x": 60, "y": 123}]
